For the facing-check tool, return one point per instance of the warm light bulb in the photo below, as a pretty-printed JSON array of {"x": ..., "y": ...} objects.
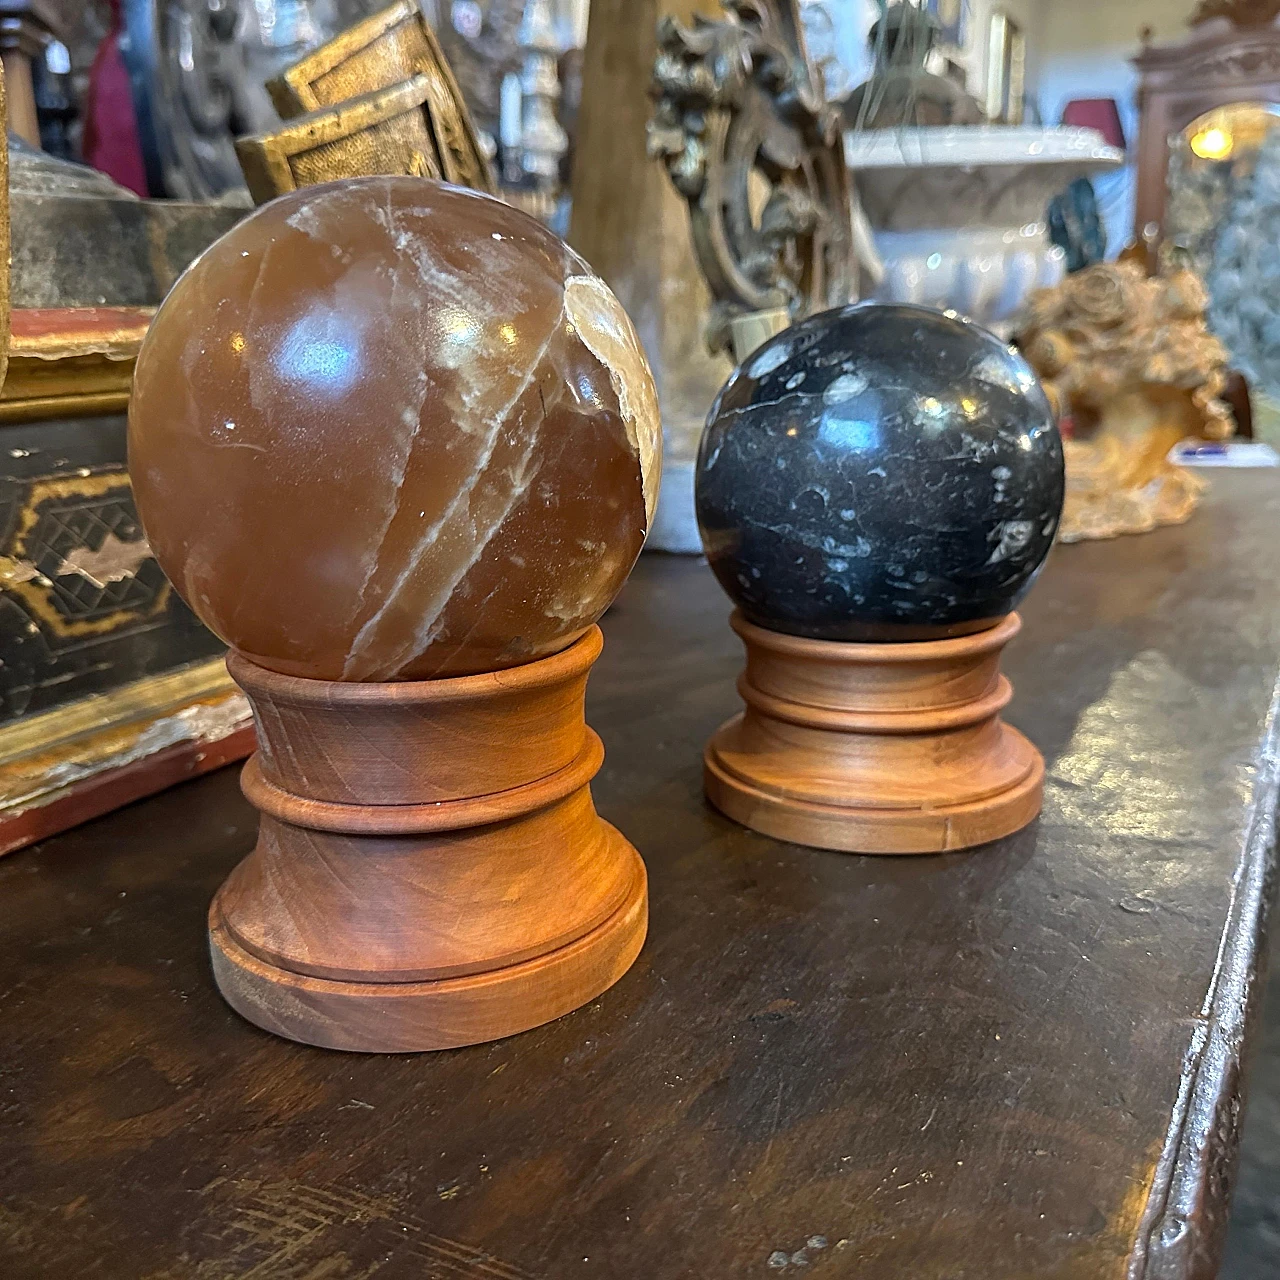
[{"x": 1212, "y": 144}]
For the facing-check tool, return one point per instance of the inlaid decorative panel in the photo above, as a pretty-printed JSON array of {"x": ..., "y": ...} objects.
[{"x": 84, "y": 607}]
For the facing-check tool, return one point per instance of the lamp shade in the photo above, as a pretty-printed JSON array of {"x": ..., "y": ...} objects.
[{"x": 1096, "y": 113}]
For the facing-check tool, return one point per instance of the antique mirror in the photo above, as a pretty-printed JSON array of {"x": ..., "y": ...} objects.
[
  {"x": 1213, "y": 164},
  {"x": 1208, "y": 185}
]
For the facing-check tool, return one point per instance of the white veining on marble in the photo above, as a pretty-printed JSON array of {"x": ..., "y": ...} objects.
[
  {"x": 461, "y": 325},
  {"x": 1014, "y": 537},
  {"x": 771, "y": 358},
  {"x": 607, "y": 331},
  {"x": 522, "y": 476},
  {"x": 433, "y": 361},
  {"x": 305, "y": 219},
  {"x": 411, "y": 418},
  {"x": 578, "y": 604},
  {"x": 357, "y": 665},
  {"x": 845, "y": 387}
]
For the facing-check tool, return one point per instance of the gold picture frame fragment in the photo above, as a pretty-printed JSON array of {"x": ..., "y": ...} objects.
[
  {"x": 376, "y": 52},
  {"x": 83, "y": 366},
  {"x": 389, "y": 48},
  {"x": 381, "y": 132}
]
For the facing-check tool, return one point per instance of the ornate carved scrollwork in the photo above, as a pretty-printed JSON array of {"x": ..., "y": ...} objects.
[
  {"x": 752, "y": 146},
  {"x": 1128, "y": 360},
  {"x": 1241, "y": 13},
  {"x": 1247, "y": 62}
]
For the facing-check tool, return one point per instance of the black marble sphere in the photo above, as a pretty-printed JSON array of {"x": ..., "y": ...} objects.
[{"x": 879, "y": 473}]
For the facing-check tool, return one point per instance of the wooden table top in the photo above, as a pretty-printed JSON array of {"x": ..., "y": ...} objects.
[{"x": 1020, "y": 1061}]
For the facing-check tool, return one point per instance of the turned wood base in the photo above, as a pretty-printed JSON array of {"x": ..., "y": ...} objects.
[
  {"x": 875, "y": 748},
  {"x": 430, "y": 870}
]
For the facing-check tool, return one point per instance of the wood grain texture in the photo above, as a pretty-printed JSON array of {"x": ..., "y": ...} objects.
[
  {"x": 875, "y": 748},
  {"x": 430, "y": 870},
  {"x": 1022, "y": 1063}
]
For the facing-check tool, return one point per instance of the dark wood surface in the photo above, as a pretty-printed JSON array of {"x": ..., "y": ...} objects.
[{"x": 1020, "y": 1061}]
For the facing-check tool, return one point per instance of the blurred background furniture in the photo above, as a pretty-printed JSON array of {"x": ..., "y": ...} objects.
[
  {"x": 109, "y": 687},
  {"x": 1218, "y": 68},
  {"x": 1208, "y": 178},
  {"x": 27, "y": 29}
]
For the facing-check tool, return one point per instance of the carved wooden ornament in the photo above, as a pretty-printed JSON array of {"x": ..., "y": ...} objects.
[
  {"x": 1241, "y": 13},
  {"x": 749, "y": 142},
  {"x": 1129, "y": 360}
]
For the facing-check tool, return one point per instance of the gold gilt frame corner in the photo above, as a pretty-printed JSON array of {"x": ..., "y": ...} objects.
[{"x": 379, "y": 98}]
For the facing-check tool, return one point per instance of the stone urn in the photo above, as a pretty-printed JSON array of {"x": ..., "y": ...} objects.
[{"x": 959, "y": 213}]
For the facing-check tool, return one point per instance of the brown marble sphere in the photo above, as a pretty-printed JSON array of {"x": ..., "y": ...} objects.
[{"x": 389, "y": 429}]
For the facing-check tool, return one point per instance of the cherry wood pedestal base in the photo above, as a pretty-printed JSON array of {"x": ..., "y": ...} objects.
[
  {"x": 430, "y": 869},
  {"x": 875, "y": 748}
]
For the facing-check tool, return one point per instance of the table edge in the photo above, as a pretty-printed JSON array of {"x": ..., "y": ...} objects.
[{"x": 1182, "y": 1229}]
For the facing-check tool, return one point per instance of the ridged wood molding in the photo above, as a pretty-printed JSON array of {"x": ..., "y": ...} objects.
[
  {"x": 430, "y": 869},
  {"x": 875, "y": 748}
]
